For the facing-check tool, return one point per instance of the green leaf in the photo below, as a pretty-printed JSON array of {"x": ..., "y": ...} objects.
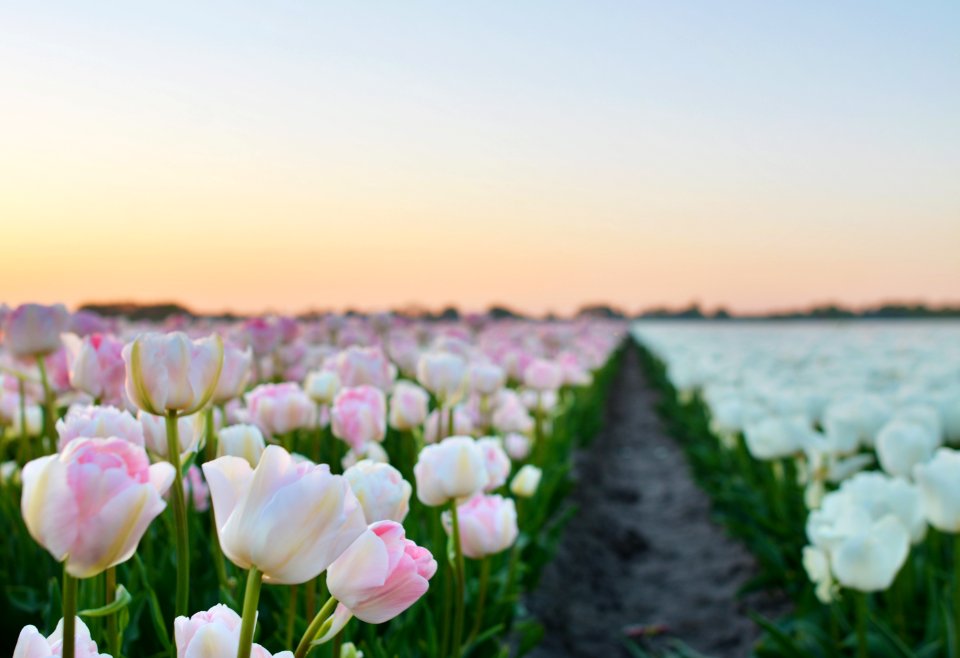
[{"x": 121, "y": 601}]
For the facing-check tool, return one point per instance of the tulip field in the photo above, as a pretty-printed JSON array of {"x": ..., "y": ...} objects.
[
  {"x": 330, "y": 486},
  {"x": 830, "y": 450}
]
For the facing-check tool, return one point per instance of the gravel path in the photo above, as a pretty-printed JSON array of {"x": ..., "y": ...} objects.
[{"x": 642, "y": 550}]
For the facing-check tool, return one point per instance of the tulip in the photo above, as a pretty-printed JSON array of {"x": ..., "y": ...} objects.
[
  {"x": 868, "y": 560},
  {"x": 488, "y": 525},
  {"x": 196, "y": 490},
  {"x": 96, "y": 366},
  {"x": 90, "y": 504},
  {"x": 362, "y": 366},
  {"x": 214, "y": 633},
  {"x": 454, "y": 468},
  {"x": 32, "y": 644},
  {"x": 190, "y": 434},
  {"x": 235, "y": 374},
  {"x": 288, "y": 520},
  {"x": 383, "y": 493},
  {"x": 99, "y": 423},
  {"x": 939, "y": 484},
  {"x": 280, "y": 408},
  {"x": 382, "y": 574},
  {"x": 371, "y": 451},
  {"x": 775, "y": 437},
  {"x": 444, "y": 375},
  {"x": 409, "y": 405},
  {"x": 322, "y": 386},
  {"x": 517, "y": 446},
  {"x": 34, "y": 330},
  {"x": 486, "y": 378},
  {"x": 543, "y": 375},
  {"x": 359, "y": 415},
  {"x": 511, "y": 416},
  {"x": 244, "y": 441},
  {"x": 902, "y": 444},
  {"x": 169, "y": 373},
  {"x": 496, "y": 460},
  {"x": 526, "y": 481}
]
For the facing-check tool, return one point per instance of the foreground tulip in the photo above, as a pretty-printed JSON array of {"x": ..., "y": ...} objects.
[
  {"x": 454, "y": 468},
  {"x": 32, "y": 644},
  {"x": 91, "y": 504},
  {"x": 214, "y": 633},
  {"x": 99, "y": 423},
  {"x": 488, "y": 525},
  {"x": 359, "y": 415},
  {"x": 381, "y": 490},
  {"x": 169, "y": 373},
  {"x": 287, "y": 520},
  {"x": 34, "y": 330},
  {"x": 382, "y": 574},
  {"x": 244, "y": 441}
]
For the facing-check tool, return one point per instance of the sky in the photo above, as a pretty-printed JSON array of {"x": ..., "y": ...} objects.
[{"x": 287, "y": 156}]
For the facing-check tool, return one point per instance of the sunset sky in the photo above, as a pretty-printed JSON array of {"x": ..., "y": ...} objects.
[{"x": 296, "y": 155}]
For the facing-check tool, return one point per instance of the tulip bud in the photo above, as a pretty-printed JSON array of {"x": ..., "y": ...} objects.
[
  {"x": 526, "y": 481},
  {"x": 362, "y": 366},
  {"x": 99, "y": 423},
  {"x": 453, "y": 468},
  {"x": 444, "y": 375},
  {"x": 280, "y": 408},
  {"x": 235, "y": 374},
  {"x": 409, "y": 405},
  {"x": 34, "y": 329},
  {"x": 31, "y": 644},
  {"x": 170, "y": 372},
  {"x": 517, "y": 446},
  {"x": 488, "y": 525},
  {"x": 486, "y": 378},
  {"x": 93, "y": 532},
  {"x": 214, "y": 633},
  {"x": 287, "y": 519},
  {"x": 244, "y": 441},
  {"x": 496, "y": 461},
  {"x": 381, "y": 490},
  {"x": 322, "y": 386},
  {"x": 542, "y": 375},
  {"x": 382, "y": 574},
  {"x": 359, "y": 415},
  {"x": 939, "y": 483},
  {"x": 96, "y": 366}
]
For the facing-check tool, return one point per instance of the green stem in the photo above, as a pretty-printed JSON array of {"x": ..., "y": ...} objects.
[
  {"x": 69, "y": 614},
  {"x": 862, "y": 603},
  {"x": 459, "y": 569},
  {"x": 24, "y": 438},
  {"x": 481, "y": 600},
  {"x": 291, "y": 615},
  {"x": 956, "y": 595},
  {"x": 113, "y": 634},
  {"x": 314, "y": 628},
  {"x": 49, "y": 412},
  {"x": 182, "y": 607},
  {"x": 251, "y": 597}
]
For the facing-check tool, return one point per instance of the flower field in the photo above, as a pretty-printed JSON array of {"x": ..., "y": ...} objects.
[
  {"x": 336, "y": 486},
  {"x": 830, "y": 450}
]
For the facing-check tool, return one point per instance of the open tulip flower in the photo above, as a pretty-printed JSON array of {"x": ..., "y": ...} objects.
[
  {"x": 214, "y": 633},
  {"x": 32, "y": 644}
]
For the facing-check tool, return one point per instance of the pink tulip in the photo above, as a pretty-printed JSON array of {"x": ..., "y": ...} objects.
[
  {"x": 262, "y": 335},
  {"x": 382, "y": 574},
  {"x": 84, "y": 323},
  {"x": 99, "y": 423},
  {"x": 34, "y": 329},
  {"x": 91, "y": 503},
  {"x": 496, "y": 460},
  {"x": 517, "y": 446},
  {"x": 235, "y": 374},
  {"x": 170, "y": 372},
  {"x": 214, "y": 633},
  {"x": 409, "y": 405},
  {"x": 358, "y": 366},
  {"x": 288, "y": 519},
  {"x": 511, "y": 415},
  {"x": 96, "y": 366},
  {"x": 280, "y": 408},
  {"x": 488, "y": 525},
  {"x": 32, "y": 644},
  {"x": 542, "y": 375},
  {"x": 359, "y": 415}
]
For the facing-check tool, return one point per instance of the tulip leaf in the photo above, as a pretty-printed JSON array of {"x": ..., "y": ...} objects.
[{"x": 121, "y": 601}]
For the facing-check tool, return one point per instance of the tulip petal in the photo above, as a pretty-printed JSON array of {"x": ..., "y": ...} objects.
[
  {"x": 228, "y": 479},
  {"x": 48, "y": 506}
]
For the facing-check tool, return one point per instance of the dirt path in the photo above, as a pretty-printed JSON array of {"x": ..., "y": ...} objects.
[{"x": 642, "y": 551}]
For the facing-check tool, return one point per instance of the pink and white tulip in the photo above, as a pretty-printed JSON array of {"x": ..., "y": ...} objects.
[
  {"x": 214, "y": 633},
  {"x": 32, "y": 643},
  {"x": 409, "y": 405},
  {"x": 34, "y": 330},
  {"x": 488, "y": 525},
  {"x": 99, "y": 423},
  {"x": 454, "y": 468},
  {"x": 359, "y": 415},
  {"x": 280, "y": 408},
  {"x": 383, "y": 493}
]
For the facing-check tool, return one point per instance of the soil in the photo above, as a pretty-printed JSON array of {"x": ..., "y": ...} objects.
[{"x": 642, "y": 555}]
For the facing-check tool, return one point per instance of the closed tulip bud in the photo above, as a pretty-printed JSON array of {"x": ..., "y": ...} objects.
[
  {"x": 322, "y": 386},
  {"x": 90, "y": 504},
  {"x": 453, "y": 468},
  {"x": 526, "y": 481},
  {"x": 409, "y": 405},
  {"x": 939, "y": 483},
  {"x": 235, "y": 374},
  {"x": 290, "y": 520},
  {"x": 32, "y": 644},
  {"x": 543, "y": 375},
  {"x": 34, "y": 329},
  {"x": 244, "y": 441},
  {"x": 170, "y": 372},
  {"x": 517, "y": 446},
  {"x": 383, "y": 493},
  {"x": 444, "y": 375},
  {"x": 359, "y": 415},
  {"x": 382, "y": 574},
  {"x": 488, "y": 525},
  {"x": 190, "y": 433},
  {"x": 486, "y": 378},
  {"x": 95, "y": 365},
  {"x": 214, "y": 633},
  {"x": 280, "y": 408},
  {"x": 99, "y": 423},
  {"x": 496, "y": 461}
]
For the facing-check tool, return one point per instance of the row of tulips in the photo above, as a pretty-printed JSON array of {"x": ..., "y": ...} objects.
[
  {"x": 832, "y": 451},
  {"x": 338, "y": 486}
]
